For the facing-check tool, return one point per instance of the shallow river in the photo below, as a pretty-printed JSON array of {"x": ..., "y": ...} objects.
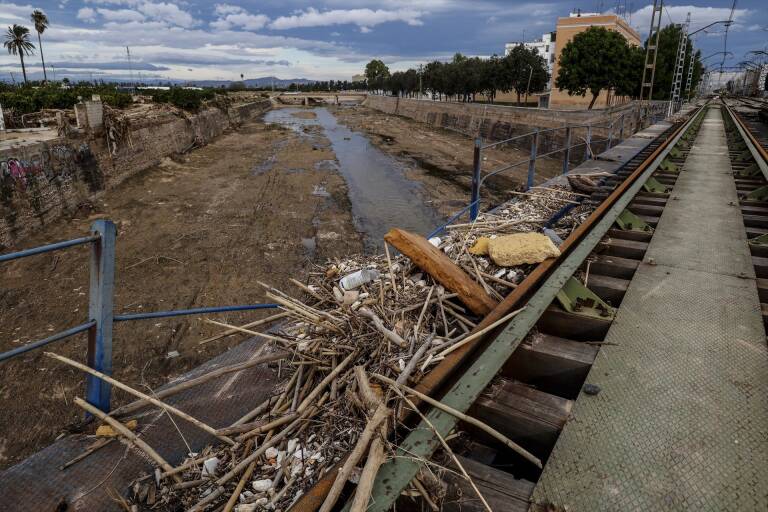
[{"x": 382, "y": 196}]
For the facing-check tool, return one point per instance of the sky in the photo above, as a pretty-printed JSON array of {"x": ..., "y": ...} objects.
[{"x": 325, "y": 39}]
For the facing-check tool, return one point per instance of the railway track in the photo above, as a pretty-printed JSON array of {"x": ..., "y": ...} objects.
[
  {"x": 523, "y": 380},
  {"x": 748, "y": 151}
]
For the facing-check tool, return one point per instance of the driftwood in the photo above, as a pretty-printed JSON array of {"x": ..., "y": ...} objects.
[
  {"x": 371, "y": 428},
  {"x": 435, "y": 263},
  {"x": 126, "y": 433}
]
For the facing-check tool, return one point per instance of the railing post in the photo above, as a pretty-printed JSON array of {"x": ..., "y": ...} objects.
[
  {"x": 588, "y": 146},
  {"x": 610, "y": 134},
  {"x": 532, "y": 161},
  {"x": 474, "y": 209},
  {"x": 567, "y": 153},
  {"x": 100, "y": 310},
  {"x": 621, "y": 128}
]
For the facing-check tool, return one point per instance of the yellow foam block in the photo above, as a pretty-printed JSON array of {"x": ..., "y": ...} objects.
[
  {"x": 521, "y": 248},
  {"x": 481, "y": 246}
]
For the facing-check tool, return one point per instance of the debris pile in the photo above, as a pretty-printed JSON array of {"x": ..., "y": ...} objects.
[{"x": 360, "y": 334}]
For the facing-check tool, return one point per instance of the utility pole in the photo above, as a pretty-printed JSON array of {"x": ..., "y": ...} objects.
[
  {"x": 677, "y": 77},
  {"x": 130, "y": 65},
  {"x": 649, "y": 69},
  {"x": 528, "y": 87},
  {"x": 421, "y": 67}
]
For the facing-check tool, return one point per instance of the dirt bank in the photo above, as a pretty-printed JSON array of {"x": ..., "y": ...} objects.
[
  {"x": 442, "y": 159},
  {"x": 199, "y": 230}
]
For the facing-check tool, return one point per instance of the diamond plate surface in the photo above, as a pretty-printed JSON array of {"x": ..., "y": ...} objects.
[{"x": 681, "y": 422}]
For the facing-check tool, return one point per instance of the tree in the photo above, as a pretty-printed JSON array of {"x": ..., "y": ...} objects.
[
  {"x": 593, "y": 61},
  {"x": 669, "y": 40},
  {"x": 376, "y": 72},
  {"x": 17, "y": 43},
  {"x": 40, "y": 20},
  {"x": 524, "y": 71}
]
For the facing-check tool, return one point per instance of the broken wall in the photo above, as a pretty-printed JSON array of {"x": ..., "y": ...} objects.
[{"x": 39, "y": 182}]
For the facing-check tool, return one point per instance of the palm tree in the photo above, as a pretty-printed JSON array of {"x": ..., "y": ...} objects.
[
  {"x": 17, "y": 42},
  {"x": 40, "y": 20}
]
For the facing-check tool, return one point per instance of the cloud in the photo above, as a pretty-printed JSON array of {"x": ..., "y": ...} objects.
[
  {"x": 86, "y": 14},
  {"x": 120, "y": 14},
  {"x": 113, "y": 65},
  {"x": 361, "y": 17},
  {"x": 168, "y": 12},
  {"x": 233, "y": 16},
  {"x": 700, "y": 17}
]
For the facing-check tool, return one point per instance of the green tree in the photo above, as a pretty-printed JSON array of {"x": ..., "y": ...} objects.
[
  {"x": 40, "y": 20},
  {"x": 17, "y": 42},
  {"x": 376, "y": 73},
  {"x": 669, "y": 40},
  {"x": 593, "y": 61},
  {"x": 524, "y": 71}
]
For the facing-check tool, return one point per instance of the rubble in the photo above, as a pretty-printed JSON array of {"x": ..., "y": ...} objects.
[{"x": 352, "y": 353}]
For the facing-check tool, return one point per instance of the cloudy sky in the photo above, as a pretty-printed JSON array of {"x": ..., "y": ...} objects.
[{"x": 320, "y": 39}]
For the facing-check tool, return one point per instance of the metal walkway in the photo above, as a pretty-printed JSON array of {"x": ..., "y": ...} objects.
[{"x": 681, "y": 422}]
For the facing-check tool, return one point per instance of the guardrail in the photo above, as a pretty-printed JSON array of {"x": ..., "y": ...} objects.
[
  {"x": 101, "y": 317},
  {"x": 615, "y": 133}
]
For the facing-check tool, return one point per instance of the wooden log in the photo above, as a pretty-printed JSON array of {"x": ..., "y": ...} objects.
[
  {"x": 435, "y": 263},
  {"x": 128, "y": 435}
]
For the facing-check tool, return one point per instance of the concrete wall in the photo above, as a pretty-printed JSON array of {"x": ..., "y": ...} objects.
[
  {"x": 499, "y": 122},
  {"x": 39, "y": 182}
]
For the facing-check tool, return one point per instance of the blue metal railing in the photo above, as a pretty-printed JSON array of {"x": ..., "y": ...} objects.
[{"x": 100, "y": 308}]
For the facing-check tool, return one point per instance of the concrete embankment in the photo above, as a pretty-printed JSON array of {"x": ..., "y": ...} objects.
[
  {"x": 499, "y": 122},
  {"x": 42, "y": 180}
]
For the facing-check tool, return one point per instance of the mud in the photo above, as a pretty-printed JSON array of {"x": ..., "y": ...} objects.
[
  {"x": 442, "y": 160},
  {"x": 199, "y": 230}
]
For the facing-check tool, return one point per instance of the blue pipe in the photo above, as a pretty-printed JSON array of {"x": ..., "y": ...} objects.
[
  {"x": 47, "y": 248},
  {"x": 37, "y": 344},
  {"x": 195, "y": 311}
]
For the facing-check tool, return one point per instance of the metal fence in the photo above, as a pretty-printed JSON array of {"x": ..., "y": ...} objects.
[
  {"x": 573, "y": 137},
  {"x": 102, "y": 241}
]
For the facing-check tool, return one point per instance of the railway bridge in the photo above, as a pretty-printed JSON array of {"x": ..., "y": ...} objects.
[{"x": 630, "y": 372}]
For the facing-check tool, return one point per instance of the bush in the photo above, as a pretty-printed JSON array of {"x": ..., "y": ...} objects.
[
  {"x": 187, "y": 99},
  {"x": 27, "y": 99}
]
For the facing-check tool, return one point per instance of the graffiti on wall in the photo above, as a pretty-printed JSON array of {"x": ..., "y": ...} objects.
[{"x": 54, "y": 164}]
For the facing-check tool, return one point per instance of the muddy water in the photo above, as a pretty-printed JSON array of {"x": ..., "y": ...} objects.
[{"x": 381, "y": 195}]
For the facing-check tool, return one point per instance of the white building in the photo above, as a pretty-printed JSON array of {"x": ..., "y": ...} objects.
[{"x": 544, "y": 47}]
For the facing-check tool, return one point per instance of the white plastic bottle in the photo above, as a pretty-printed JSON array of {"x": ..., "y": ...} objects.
[{"x": 359, "y": 278}]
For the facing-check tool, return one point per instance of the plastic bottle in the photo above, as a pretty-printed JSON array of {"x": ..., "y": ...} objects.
[{"x": 359, "y": 278}]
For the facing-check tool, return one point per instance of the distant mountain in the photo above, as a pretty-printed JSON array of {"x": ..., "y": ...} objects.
[
  {"x": 75, "y": 76},
  {"x": 266, "y": 81}
]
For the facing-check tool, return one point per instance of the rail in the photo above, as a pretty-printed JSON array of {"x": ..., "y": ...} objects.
[
  {"x": 101, "y": 317},
  {"x": 465, "y": 373},
  {"x": 757, "y": 151}
]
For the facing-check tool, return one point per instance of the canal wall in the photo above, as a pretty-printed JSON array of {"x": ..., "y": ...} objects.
[
  {"x": 43, "y": 180},
  {"x": 500, "y": 122}
]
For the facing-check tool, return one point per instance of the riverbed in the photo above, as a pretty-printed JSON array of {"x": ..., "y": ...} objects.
[{"x": 380, "y": 193}]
